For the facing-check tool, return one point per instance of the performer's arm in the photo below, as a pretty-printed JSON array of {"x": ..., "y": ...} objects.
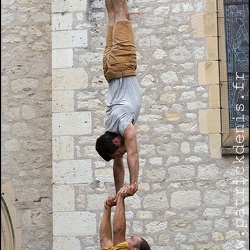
[
  {"x": 132, "y": 153},
  {"x": 119, "y": 223},
  {"x": 105, "y": 228},
  {"x": 119, "y": 173}
]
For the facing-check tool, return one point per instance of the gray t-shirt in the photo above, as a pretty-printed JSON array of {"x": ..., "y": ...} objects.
[{"x": 123, "y": 104}]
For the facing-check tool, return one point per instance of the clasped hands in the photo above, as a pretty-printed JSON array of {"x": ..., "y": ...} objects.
[{"x": 124, "y": 192}]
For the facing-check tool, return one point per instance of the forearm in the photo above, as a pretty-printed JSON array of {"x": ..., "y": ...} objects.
[
  {"x": 133, "y": 165},
  {"x": 119, "y": 173},
  {"x": 119, "y": 224},
  {"x": 132, "y": 153},
  {"x": 105, "y": 226}
]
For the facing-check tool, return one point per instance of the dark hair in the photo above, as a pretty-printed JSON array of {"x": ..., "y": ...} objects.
[
  {"x": 105, "y": 146},
  {"x": 142, "y": 245}
]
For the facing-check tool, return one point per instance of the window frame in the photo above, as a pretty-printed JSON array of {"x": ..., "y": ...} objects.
[{"x": 233, "y": 140}]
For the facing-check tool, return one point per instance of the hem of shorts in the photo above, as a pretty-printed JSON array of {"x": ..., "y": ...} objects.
[{"x": 119, "y": 75}]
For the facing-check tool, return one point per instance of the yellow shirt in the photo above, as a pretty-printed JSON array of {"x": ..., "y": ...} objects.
[{"x": 120, "y": 246}]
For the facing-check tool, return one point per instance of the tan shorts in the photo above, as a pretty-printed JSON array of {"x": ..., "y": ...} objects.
[{"x": 119, "y": 59}]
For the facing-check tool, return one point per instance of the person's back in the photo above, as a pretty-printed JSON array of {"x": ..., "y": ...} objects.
[{"x": 123, "y": 104}]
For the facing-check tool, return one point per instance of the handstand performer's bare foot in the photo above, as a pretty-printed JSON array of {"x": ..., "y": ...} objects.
[{"x": 121, "y": 10}]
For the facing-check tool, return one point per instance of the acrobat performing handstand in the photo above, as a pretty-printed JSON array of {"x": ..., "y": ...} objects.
[{"x": 124, "y": 97}]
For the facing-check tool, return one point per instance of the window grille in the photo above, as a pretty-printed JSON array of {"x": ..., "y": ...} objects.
[
  {"x": 233, "y": 39},
  {"x": 236, "y": 14}
]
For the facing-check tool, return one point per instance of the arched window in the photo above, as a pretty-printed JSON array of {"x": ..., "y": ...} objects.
[
  {"x": 7, "y": 232},
  {"x": 11, "y": 232}
]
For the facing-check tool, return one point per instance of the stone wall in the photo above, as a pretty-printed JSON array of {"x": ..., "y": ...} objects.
[
  {"x": 26, "y": 120},
  {"x": 189, "y": 197}
]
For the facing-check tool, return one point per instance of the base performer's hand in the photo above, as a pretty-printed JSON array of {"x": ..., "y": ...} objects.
[{"x": 110, "y": 201}]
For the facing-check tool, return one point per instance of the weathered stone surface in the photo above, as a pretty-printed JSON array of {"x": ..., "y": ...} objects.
[{"x": 52, "y": 64}]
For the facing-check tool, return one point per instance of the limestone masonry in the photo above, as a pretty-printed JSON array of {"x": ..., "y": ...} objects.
[{"x": 54, "y": 183}]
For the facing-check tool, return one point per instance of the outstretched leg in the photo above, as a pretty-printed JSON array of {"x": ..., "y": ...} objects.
[
  {"x": 121, "y": 10},
  {"x": 111, "y": 14},
  {"x": 109, "y": 35},
  {"x": 119, "y": 58}
]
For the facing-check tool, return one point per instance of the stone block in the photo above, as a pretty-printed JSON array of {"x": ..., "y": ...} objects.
[
  {"x": 69, "y": 5},
  {"x": 70, "y": 78},
  {"x": 209, "y": 121},
  {"x": 208, "y": 72},
  {"x": 71, "y": 123},
  {"x": 24, "y": 84},
  {"x": 63, "y": 198},
  {"x": 154, "y": 175},
  {"x": 62, "y": 22},
  {"x": 201, "y": 148},
  {"x": 156, "y": 226},
  {"x": 215, "y": 145},
  {"x": 72, "y": 171},
  {"x": 104, "y": 175},
  {"x": 141, "y": 214},
  {"x": 173, "y": 117},
  {"x": 212, "y": 48},
  {"x": 212, "y": 212},
  {"x": 155, "y": 201},
  {"x": 63, "y": 147},
  {"x": 95, "y": 201},
  {"x": 198, "y": 24},
  {"x": 41, "y": 17},
  {"x": 28, "y": 112},
  {"x": 63, "y": 101},
  {"x": 66, "y": 243},
  {"x": 216, "y": 197},
  {"x": 197, "y": 237},
  {"x": 209, "y": 171},
  {"x": 208, "y": 246},
  {"x": 74, "y": 223},
  {"x": 188, "y": 127},
  {"x": 210, "y": 6},
  {"x": 69, "y": 39},
  {"x": 203, "y": 225},
  {"x": 12, "y": 145},
  {"x": 62, "y": 58},
  {"x": 210, "y": 24},
  {"x": 185, "y": 147},
  {"x": 186, "y": 199},
  {"x": 183, "y": 172},
  {"x": 214, "y": 96},
  {"x": 196, "y": 105}
]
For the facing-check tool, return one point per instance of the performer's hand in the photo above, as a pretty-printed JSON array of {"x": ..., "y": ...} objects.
[
  {"x": 128, "y": 190},
  {"x": 110, "y": 201}
]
